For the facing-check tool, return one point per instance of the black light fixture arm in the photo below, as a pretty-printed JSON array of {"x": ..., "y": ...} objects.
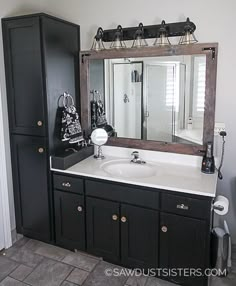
[
  {"x": 173, "y": 30},
  {"x": 188, "y": 27},
  {"x": 118, "y": 32},
  {"x": 163, "y": 29},
  {"x": 99, "y": 34},
  {"x": 139, "y": 31}
]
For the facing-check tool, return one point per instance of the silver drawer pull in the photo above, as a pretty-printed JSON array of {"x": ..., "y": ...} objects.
[
  {"x": 79, "y": 209},
  {"x": 67, "y": 184},
  {"x": 182, "y": 207}
]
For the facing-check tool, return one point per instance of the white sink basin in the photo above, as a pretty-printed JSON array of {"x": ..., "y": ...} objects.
[{"x": 126, "y": 169}]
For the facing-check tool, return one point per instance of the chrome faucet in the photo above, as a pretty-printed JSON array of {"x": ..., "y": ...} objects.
[{"x": 136, "y": 158}]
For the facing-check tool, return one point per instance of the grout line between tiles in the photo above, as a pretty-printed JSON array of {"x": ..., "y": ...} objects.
[
  {"x": 33, "y": 268},
  {"x": 11, "y": 271},
  {"x": 18, "y": 280},
  {"x": 91, "y": 272},
  {"x": 68, "y": 275}
]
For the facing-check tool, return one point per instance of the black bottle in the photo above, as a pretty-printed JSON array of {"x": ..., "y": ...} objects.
[{"x": 208, "y": 161}]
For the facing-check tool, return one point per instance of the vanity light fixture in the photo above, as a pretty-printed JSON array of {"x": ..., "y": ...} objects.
[
  {"x": 139, "y": 35},
  {"x": 98, "y": 44},
  {"x": 188, "y": 37},
  {"x": 162, "y": 37},
  {"x": 118, "y": 42},
  {"x": 139, "y": 39}
]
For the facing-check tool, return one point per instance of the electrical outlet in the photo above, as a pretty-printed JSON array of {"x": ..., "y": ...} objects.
[{"x": 219, "y": 126}]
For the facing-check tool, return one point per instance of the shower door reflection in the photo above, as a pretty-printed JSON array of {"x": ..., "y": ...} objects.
[
  {"x": 145, "y": 108},
  {"x": 159, "y": 98}
]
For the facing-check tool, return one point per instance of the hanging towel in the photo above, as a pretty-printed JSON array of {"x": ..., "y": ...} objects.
[
  {"x": 98, "y": 116},
  {"x": 101, "y": 116},
  {"x": 71, "y": 128},
  {"x": 93, "y": 114}
]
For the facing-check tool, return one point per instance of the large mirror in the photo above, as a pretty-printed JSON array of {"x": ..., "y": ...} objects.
[
  {"x": 168, "y": 97},
  {"x": 152, "y": 98}
]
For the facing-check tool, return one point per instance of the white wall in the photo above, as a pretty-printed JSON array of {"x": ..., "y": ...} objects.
[{"x": 213, "y": 19}]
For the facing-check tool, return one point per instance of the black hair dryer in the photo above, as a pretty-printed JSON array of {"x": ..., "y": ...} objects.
[{"x": 208, "y": 161}]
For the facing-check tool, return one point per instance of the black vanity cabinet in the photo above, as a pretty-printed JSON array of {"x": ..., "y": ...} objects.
[
  {"x": 122, "y": 224},
  {"x": 182, "y": 245},
  {"x": 134, "y": 226},
  {"x": 69, "y": 209},
  {"x": 185, "y": 232},
  {"x": 122, "y": 233},
  {"x": 41, "y": 63}
]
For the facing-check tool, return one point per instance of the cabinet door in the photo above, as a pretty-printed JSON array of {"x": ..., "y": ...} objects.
[
  {"x": 23, "y": 64},
  {"x": 103, "y": 229},
  {"x": 69, "y": 220},
  {"x": 183, "y": 245},
  {"x": 139, "y": 237},
  {"x": 31, "y": 187}
]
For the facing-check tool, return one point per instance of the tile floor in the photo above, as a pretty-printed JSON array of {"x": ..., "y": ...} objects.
[{"x": 30, "y": 262}]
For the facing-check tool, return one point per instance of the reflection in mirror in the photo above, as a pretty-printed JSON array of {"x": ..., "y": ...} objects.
[{"x": 159, "y": 98}]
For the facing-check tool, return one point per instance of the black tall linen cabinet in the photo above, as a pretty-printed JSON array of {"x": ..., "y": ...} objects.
[{"x": 41, "y": 62}]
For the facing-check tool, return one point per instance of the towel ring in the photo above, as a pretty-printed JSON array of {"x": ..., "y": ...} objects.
[
  {"x": 96, "y": 94},
  {"x": 68, "y": 100}
]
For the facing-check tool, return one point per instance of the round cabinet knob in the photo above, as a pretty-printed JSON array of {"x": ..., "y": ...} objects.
[
  {"x": 115, "y": 217},
  {"x": 80, "y": 209},
  {"x": 123, "y": 219},
  {"x": 164, "y": 229},
  {"x": 40, "y": 150},
  {"x": 40, "y": 123},
  {"x": 66, "y": 184}
]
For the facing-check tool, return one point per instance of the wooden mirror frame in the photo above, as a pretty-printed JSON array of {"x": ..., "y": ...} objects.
[{"x": 208, "y": 49}]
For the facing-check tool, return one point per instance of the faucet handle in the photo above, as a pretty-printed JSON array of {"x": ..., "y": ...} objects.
[
  {"x": 136, "y": 158},
  {"x": 135, "y": 154}
]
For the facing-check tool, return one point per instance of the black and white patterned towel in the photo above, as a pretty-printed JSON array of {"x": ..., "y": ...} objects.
[{"x": 71, "y": 128}]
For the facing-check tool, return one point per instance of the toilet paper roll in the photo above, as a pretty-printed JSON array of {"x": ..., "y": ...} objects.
[{"x": 221, "y": 201}]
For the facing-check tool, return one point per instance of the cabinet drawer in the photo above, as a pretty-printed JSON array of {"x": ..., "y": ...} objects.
[
  {"x": 125, "y": 194},
  {"x": 186, "y": 206},
  {"x": 70, "y": 184}
]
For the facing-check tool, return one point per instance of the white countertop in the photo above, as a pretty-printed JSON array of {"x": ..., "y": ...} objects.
[{"x": 174, "y": 172}]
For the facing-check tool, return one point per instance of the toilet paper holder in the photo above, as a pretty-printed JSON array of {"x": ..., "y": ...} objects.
[
  {"x": 221, "y": 205},
  {"x": 219, "y": 208}
]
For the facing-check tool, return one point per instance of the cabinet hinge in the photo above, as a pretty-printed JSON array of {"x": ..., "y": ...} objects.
[{"x": 213, "y": 51}]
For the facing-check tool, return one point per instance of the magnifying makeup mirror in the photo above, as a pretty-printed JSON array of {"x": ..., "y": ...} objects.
[{"x": 99, "y": 137}]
